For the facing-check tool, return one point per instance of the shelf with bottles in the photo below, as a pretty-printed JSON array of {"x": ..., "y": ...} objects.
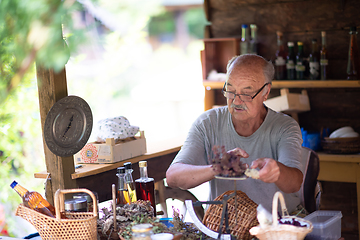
[{"x": 296, "y": 84}]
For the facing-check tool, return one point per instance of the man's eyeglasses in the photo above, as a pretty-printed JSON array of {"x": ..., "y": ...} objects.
[{"x": 243, "y": 97}]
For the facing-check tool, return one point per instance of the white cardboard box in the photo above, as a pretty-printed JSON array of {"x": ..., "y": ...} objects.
[
  {"x": 289, "y": 102},
  {"x": 110, "y": 152}
]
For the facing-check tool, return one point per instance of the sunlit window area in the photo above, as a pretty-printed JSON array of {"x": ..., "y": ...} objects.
[
  {"x": 148, "y": 71},
  {"x": 136, "y": 59}
]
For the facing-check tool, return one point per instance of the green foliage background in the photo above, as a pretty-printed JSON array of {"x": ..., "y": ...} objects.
[{"x": 31, "y": 31}]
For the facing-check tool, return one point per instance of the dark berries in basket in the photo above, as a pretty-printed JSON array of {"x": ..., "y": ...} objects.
[
  {"x": 291, "y": 221},
  {"x": 227, "y": 164}
]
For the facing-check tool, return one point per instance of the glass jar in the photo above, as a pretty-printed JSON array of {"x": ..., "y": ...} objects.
[
  {"x": 142, "y": 231},
  {"x": 162, "y": 236}
]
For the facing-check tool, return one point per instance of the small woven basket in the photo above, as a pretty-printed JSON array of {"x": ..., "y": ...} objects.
[
  {"x": 241, "y": 219},
  {"x": 78, "y": 225},
  {"x": 341, "y": 145},
  {"x": 278, "y": 231}
]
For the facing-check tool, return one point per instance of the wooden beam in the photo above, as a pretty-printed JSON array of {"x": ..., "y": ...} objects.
[{"x": 53, "y": 87}]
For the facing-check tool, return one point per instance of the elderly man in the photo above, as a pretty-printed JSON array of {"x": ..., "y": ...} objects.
[{"x": 266, "y": 140}]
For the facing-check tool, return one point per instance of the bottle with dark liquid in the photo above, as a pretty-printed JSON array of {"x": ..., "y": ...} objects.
[
  {"x": 323, "y": 57},
  {"x": 353, "y": 58},
  {"x": 145, "y": 188},
  {"x": 300, "y": 62},
  {"x": 34, "y": 200},
  {"x": 280, "y": 58},
  {"x": 130, "y": 181},
  {"x": 314, "y": 61},
  {"x": 290, "y": 62},
  {"x": 122, "y": 192}
]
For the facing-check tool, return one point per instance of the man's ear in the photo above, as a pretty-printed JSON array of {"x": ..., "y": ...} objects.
[{"x": 268, "y": 89}]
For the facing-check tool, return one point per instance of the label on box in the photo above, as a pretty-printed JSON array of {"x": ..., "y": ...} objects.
[{"x": 89, "y": 153}]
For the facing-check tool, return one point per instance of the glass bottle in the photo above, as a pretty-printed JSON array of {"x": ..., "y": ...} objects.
[
  {"x": 290, "y": 62},
  {"x": 300, "y": 62},
  {"x": 353, "y": 57},
  {"x": 142, "y": 231},
  {"x": 253, "y": 41},
  {"x": 130, "y": 181},
  {"x": 245, "y": 40},
  {"x": 314, "y": 63},
  {"x": 145, "y": 187},
  {"x": 280, "y": 58},
  {"x": 323, "y": 57},
  {"x": 122, "y": 192},
  {"x": 34, "y": 200}
]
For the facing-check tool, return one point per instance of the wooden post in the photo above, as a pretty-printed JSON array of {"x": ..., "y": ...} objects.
[{"x": 52, "y": 87}]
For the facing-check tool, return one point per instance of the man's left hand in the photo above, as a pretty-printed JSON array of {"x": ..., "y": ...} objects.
[{"x": 269, "y": 169}]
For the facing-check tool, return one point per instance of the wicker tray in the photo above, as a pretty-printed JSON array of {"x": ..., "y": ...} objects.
[
  {"x": 80, "y": 225},
  {"x": 341, "y": 145},
  {"x": 246, "y": 215},
  {"x": 278, "y": 231}
]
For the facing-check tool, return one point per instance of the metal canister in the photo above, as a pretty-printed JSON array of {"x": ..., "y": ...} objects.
[
  {"x": 76, "y": 205},
  {"x": 88, "y": 199},
  {"x": 142, "y": 231}
]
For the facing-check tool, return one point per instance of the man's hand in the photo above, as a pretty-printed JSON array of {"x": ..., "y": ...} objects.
[
  {"x": 288, "y": 179},
  {"x": 239, "y": 152},
  {"x": 269, "y": 169}
]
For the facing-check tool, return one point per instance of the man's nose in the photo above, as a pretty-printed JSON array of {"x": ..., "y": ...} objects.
[{"x": 238, "y": 96}]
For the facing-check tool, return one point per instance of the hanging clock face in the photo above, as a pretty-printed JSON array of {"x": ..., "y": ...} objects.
[{"x": 68, "y": 126}]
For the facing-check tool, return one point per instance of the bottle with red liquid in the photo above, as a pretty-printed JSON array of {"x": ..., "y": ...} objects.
[
  {"x": 280, "y": 58},
  {"x": 34, "y": 200},
  {"x": 145, "y": 186},
  {"x": 353, "y": 66}
]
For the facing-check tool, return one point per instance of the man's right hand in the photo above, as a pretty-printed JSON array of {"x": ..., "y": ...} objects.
[{"x": 187, "y": 176}]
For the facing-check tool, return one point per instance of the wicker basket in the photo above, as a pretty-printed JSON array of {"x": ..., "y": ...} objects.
[
  {"x": 341, "y": 145},
  {"x": 80, "y": 225},
  {"x": 246, "y": 215},
  {"x": 278, "y": 231}
]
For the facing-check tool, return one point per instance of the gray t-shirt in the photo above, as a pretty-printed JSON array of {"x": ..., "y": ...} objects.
[{"x": 278, "y": 137}]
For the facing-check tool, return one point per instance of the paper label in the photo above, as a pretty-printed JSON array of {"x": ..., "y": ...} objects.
[
  {"x": 290, "y": 64},
  {"x": 323, "y": 62},
  {"x": 314, "y": 69},
  {"x": 89, "y": 153},
  {"x": 280, "y": 61}
]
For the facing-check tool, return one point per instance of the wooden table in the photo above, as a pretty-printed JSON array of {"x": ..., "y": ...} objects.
[
  {"x": 100, "y": 177},
  {"x": 341, "y": 168}
]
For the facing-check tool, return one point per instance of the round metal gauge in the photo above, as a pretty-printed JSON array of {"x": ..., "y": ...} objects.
[{"x": 68, "y": 126}]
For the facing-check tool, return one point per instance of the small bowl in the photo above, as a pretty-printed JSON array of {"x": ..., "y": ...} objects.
[
  {"x": 350, "y": 135},
  {"x": 341, "y": 131}
]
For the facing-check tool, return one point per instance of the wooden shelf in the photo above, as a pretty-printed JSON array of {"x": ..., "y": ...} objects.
[{"x": 296, "y": 84}]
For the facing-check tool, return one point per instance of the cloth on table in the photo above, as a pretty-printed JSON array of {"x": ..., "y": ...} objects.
[{"x": 117, "y": 128}]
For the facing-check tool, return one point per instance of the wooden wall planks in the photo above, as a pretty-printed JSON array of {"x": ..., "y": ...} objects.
[{"x": 299, "y": 20}]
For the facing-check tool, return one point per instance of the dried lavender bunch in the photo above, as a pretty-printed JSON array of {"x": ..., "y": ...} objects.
[{"x": 227, "y": 164}]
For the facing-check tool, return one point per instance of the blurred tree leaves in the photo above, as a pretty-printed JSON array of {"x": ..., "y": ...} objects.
[{"x": 32, "y": 31}]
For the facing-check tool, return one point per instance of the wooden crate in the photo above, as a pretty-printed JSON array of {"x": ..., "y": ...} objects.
[
  {"x": 289, "y": 102},
  {"x": 110, "y": 152}
]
